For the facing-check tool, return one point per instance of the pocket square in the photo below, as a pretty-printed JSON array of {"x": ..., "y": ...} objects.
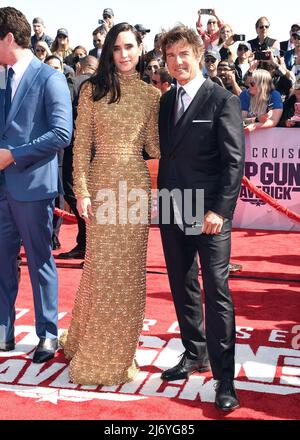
[{"x": 201, "y": 120}]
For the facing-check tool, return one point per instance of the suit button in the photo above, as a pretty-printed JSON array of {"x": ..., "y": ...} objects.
[{"x": 172, "y": 156}]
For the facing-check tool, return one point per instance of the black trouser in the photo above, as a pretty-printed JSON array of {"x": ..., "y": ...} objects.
[
  {"x": 70, "y": 196},
  {"x": 214, "y": 253},
  {"x": 59, "y": 203}
]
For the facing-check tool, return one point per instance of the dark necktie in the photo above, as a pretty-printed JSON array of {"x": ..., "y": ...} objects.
[
  {"x": 8, "y": 91},
  {"x": 179, "y": 104}
]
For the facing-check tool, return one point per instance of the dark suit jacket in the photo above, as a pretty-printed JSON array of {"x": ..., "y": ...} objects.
[
  {"x": 284, "y": 45},
  {"x": 206, "y": 147},
  {"x": 93, "y": 52}
]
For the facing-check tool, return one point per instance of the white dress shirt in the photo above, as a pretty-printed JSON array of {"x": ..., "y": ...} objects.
[
  {"x": 19, "y": 69},
  {"x": 191, "y": 89}
]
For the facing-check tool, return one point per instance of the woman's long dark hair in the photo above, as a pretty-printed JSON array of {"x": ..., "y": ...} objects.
[{"x": 106, "y": 79}]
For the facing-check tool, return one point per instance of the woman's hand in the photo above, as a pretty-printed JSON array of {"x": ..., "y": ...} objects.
[
  {"x": 229, "y": 41},
  {"x": 84, "y": 207},
  {"x": 249, "y": 128},
  {"x": 263, "y": 118},
  {"x": 289, "y": 123}
]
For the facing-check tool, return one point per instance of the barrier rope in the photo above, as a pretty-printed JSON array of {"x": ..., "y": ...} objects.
[
  {"x": 65, "y": 215},
  {"x": 268, "y": 199},
  {"x": 257, "y": 191}
]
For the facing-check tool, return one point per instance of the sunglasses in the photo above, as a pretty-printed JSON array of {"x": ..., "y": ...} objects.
[
  {"x": 61, "y": 36},
  {"x": 106, "y": 16},
  {"x": 212, "y": 22},
  {"x": 264, "y": 26},
  {"x": 252, "y": 84},
  {"x": 210, "y": 60},
  {"x": 40, "y": 49},
  {"x": 245, "y": 49},
  {"x": 152, "y": 67}
]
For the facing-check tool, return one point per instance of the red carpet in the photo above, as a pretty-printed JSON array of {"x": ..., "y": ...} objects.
[{"x": 267, "y": 299}]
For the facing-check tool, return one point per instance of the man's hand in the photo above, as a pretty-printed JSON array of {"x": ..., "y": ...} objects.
[
  {"x": 212, "y": 223},
  {"x": 6, "y": 158},
  {"x": 230, "y": 76}
]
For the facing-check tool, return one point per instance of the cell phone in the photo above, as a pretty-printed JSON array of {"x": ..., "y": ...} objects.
[
  {"x": 262, "y": 56},
  {"x": 206, "y": 11},
  {"x": 239, "y": 37}
]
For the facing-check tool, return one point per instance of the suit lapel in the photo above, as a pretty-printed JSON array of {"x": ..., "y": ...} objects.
[
  {"x": 195, "y": 107},
  {"x": 26, "y": 83},
  {"x": 170, "y": 113}
]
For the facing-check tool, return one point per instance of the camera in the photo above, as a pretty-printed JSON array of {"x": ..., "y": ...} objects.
[
  {"x": 262, "y": 56},
  {"x": 206, "y": 11},
  {"x": 239, "y": 37}
]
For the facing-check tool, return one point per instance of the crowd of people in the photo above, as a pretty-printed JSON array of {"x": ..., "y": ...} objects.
[
  {"x": 264, "y": 73},
  {"x": 78, "y": 122}
]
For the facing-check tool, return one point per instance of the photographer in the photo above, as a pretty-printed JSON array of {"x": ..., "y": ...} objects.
[
  {"x": 211, "y": 34},
  {"x": 282, "y": 78},
  {"x": 227, "y": 72},
  {"x": 292, "y": 57},
  {"x": 263, "y": 41},
  {"x": 227, "y": 44},
  {"x": 261, "y": 104},
  {"x": 244, "y": 56},
  {"x": 291, "y": 109}
]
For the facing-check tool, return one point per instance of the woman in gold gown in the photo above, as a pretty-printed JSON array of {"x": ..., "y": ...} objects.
[{"x": 117, "y": 116}]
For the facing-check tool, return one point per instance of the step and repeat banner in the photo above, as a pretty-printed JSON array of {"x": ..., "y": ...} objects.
[{"x": 272, "y": 164}]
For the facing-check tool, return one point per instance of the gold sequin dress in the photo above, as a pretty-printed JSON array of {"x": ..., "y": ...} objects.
[{"x": 108, "y": 312}]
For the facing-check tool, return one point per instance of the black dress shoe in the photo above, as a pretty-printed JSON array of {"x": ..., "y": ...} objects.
[
  {"x": 45, "y": 350},
  {"x": 235, "y": 267},
  {"x": 185, "y": 367},
  {"x": 226, "y": 398},
  {"x": 7, "y": 346},
  {"x": 55, "y": 243},
  {"x": 73, "y": 253}
]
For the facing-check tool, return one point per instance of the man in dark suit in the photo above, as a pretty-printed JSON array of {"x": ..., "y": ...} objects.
[
  {"x": 35, "y": 124},
  {"x": 289, "y": 44},
  {"x": 99, "y": 35},
  {"x": 202, "y": 148}
]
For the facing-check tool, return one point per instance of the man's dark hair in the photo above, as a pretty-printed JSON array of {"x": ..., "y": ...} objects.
[
  {"x": 100, "y": 30},
  {"x": 54, "y": 57},
  {"x": 14, "y": 21},
  {"x": 183, "y": 34},
  {"x": 257, "y": 24},
  {"x": 164, "y": 75}
]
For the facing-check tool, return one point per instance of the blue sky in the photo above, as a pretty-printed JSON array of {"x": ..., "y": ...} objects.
[{"x": 81, "y": 18}]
